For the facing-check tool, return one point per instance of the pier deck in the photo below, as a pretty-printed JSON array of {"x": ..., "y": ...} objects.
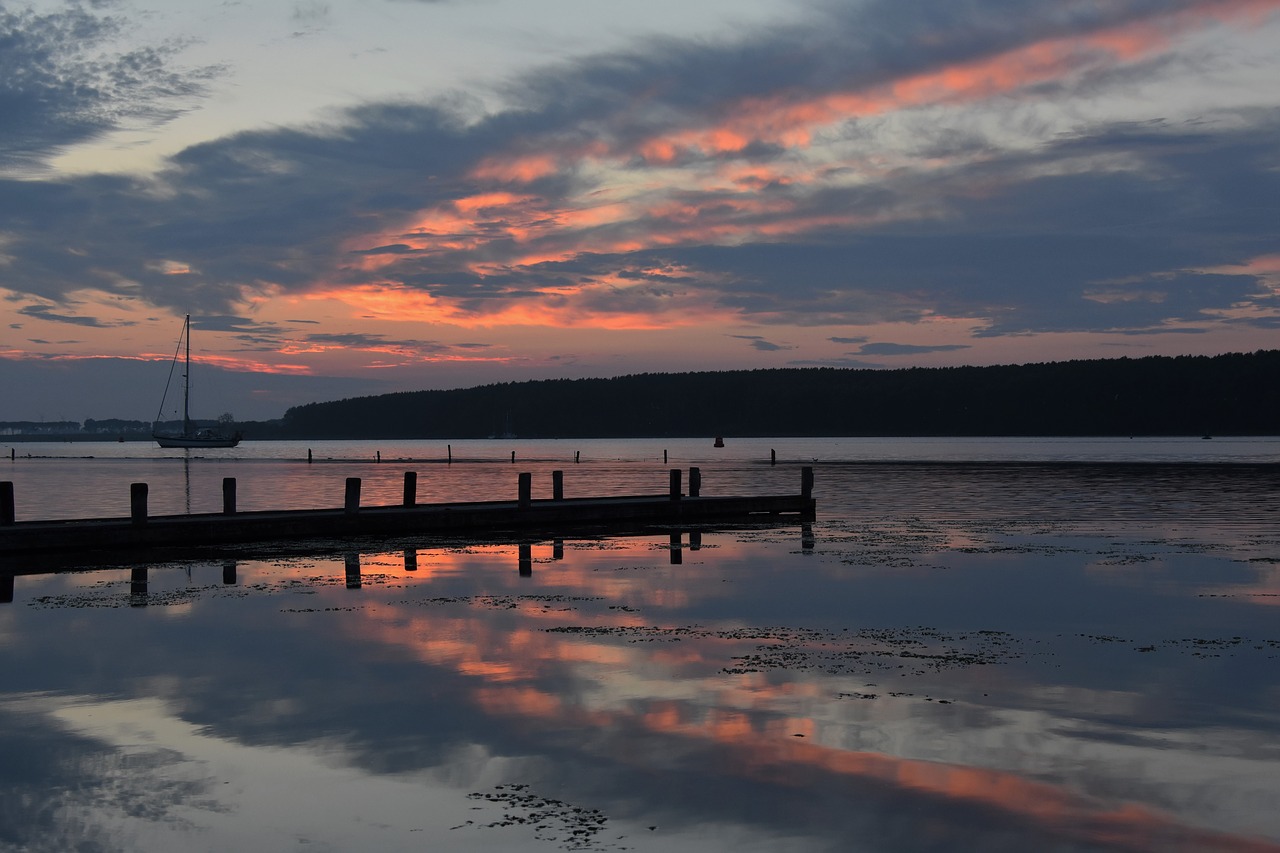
[{"x": 231, "y": 527}]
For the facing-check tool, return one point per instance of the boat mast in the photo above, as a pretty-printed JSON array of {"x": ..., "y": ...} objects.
[{"x": 186, "y": 381}]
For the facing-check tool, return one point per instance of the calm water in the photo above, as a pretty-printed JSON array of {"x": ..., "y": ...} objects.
[{"x": 979, "y": 645}]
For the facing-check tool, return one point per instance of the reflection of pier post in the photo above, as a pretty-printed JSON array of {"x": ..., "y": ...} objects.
[
  {"x": 677, "y": 556},
  {"x": 526, "y": 560},
  {"x": 806, "y": 538},
  {"x": 229, "y": 572},
  {"x": 410, "y": 559},
  {"x": 6, "y": 589},
  {"x": 695, "y": 540},
  {"x": 352, "y": 560},
  {"x": 557, "y": 549},
  {"x": 138, "y": 587}
]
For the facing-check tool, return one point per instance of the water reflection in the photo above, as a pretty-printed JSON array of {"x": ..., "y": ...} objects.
[{"x": 904, "y": 685}]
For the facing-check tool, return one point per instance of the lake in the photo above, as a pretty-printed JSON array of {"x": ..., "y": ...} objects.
[{"x": 979, "y": 644}]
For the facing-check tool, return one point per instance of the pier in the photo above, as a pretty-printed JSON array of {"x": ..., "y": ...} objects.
[{"x": 141, "y": 530}]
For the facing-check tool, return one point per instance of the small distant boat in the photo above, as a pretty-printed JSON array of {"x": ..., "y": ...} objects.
[{"x": 191, "y": 435}]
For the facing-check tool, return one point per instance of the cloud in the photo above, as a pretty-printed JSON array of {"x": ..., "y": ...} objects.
[
  {"x": 46, "y": 312},
  {"x": 907, "y": 349},
  {"x": 865, "y": 164},
  {"x": 61, "y": 83},
  {"x": 761, "y": 344}
]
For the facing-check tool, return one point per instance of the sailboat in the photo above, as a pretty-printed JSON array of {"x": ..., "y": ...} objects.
[{"x": 191, "y": 435}]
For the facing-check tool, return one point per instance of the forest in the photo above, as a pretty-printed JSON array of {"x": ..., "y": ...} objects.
[{"x": 1232, "y": 394}]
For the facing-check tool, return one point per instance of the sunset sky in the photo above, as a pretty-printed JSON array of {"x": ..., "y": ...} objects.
[{"x": 359, "y": 196}]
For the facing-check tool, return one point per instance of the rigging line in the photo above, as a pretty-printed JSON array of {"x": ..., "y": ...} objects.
[{"x": 172, "y": 365}]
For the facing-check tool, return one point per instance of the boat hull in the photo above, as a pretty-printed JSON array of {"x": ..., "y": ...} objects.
[{"x": 195, "y": 441}]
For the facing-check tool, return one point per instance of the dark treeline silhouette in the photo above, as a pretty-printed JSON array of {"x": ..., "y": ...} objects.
[{"x": 1234, "y": 394}]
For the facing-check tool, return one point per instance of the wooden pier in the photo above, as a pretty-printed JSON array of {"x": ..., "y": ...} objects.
[{"x": 143, "y": 531}]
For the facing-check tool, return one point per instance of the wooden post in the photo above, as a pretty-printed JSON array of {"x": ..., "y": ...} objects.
[
  {"x": 229, "y": 572},
  {"x": 308, "y": 455},
  {"x": 695, "y": 482},
  {"x": 6, "y": 588},
  {"x": 577, "y": 456},
  {"x": 6, "y": 503},
  {"x": 773, "y": 457},
  {"x": 410, "y": 559},
  {"x": 450, "y": 448},
  {"x": 695, "y": 540},
  {"x": 677, "y": 555},
  {"x": 664, "y": 456},
  {"x": 806, "y": 482},
  {"x": 410, "y": 488},
  {"x": 351, "y": 562},
  {"x": 379, "y": 452},
  {"x": 526, "y": 560},
  {"x": 513, "y": 457},
  {"x": 526, "y": 490},
  {"x": 352, "y": 502},
  {"x": 557, "y": 549},
  {"x": 675, "y": 484},
  {"x": 138, "y": 503},
  {"x": 557, "y": 485},
  {"x": 228, "y": 495}
]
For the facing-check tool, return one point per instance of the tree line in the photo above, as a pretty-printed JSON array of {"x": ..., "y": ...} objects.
[{"x": 1232, "y": 394}]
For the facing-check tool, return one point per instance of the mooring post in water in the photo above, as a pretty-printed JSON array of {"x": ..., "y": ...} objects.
[
  {"x": 351, "y": 562},
  {"x": 773, "y": 457},
  {"x": 526, "y": 490},
  {"x": 229, "y": 572},
  {"x": 695, "y": 482},
  {"x": 138, "y": 503},
  {"x": 664, "y": 456},
  {"x": 577, "y": 456},
  {"x": 410, "y": 559},
  {"x": 410, "y": 488},
  {"x": 6, "y": 588},
  {"x": 308, "y": 454},
  {"x": 557, "y": 485},
  {"x": 557, "y": 549},
  {"x": 526, "y": 560},
  {"x": 228, "y": 495},
  {"x": 513, "y": 457},
  {"x": 352, "y": 502},
  {"x": 6, "y": 503},
  {"x": 677, "y": 555},
  {"x": 379, "y": 453},
  {"x": 449, "y": 447},
  {"x": 695, "y": 540},
  {"x": 675, "y": 484},
  {"x": 806, "y": 482}
]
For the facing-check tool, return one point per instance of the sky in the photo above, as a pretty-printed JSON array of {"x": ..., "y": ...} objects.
[{"x": 354, "y": 197}]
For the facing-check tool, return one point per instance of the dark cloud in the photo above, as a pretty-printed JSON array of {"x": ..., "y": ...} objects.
[
  {"x": 47, "y": 312},
  {"x": 759, "y": 343},
  {"x": 906, "y": 349},
  {"x": 61, "y": 84}
]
